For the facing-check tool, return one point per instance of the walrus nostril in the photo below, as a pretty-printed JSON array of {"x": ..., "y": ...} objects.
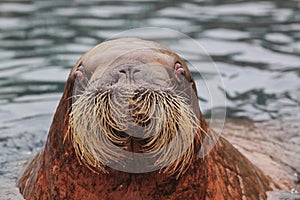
[
  {"x": 122, "y": 71},
  {"x": 128, "y": 74},
  {"x": 129, "y": 71}
]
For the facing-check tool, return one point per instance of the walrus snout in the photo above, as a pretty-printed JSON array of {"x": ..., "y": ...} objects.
[{"x": 139, "y": 101}]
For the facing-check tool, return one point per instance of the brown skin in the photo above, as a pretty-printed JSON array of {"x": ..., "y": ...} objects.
[{"x": 56, "y": 173}]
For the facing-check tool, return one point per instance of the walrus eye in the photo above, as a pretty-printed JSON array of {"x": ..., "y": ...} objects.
[
  {"x": 179, "y": 69},
  {"x": 79, "y": 73},
  {"x": 81, "y": 79}
]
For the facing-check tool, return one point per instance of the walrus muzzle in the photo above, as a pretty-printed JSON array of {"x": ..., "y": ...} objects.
[{"x": 132, "y": 128}]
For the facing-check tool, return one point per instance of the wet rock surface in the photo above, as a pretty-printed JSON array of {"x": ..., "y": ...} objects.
[{"x": 272, "y": 146}]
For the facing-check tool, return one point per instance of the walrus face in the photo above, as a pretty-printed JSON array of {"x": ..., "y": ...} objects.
[{"x": 134, "y": 108}]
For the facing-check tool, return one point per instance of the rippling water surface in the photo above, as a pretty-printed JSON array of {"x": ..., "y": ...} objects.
[{"x": 255, "y": 45}]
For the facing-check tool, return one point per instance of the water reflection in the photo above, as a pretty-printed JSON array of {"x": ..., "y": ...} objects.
[{"x": 255, "y": 44}]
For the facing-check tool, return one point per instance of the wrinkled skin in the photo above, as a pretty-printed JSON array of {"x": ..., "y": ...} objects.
[{"x": 56, "y": 173}]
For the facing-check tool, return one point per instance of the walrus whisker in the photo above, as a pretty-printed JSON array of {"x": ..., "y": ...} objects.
[
  {"x": 152, "y": 145},
  {"x": 162, "y": 110},
  {"x": 86, "y": 155}
]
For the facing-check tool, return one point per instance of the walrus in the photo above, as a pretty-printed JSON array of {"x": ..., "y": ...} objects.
[{"x": 129, "y": 126}]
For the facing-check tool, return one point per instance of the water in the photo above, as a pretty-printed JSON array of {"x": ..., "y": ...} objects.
[{"x": 255, "y": 44}]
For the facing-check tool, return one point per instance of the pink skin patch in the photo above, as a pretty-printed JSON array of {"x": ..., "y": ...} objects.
[
  {"x": 179, "y": 71},
  {"x": 79, "y": 73}
]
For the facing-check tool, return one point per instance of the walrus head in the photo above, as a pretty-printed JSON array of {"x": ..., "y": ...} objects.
[
  {"x": 134, "y": 108},
  {"x": 130, "y": 106}
]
